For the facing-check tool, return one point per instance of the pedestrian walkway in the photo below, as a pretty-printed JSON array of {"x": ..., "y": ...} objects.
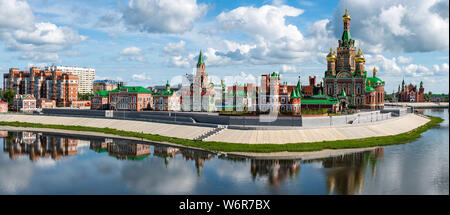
[
  {"x": 382, "y": 128},
  {"x": 169, "y": 130}
]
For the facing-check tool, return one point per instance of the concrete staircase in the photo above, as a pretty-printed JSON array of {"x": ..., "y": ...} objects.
[{"x": 211, "y": 133}]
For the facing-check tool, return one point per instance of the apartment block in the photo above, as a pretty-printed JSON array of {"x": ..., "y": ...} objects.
[{"x": 85, "y": 76}]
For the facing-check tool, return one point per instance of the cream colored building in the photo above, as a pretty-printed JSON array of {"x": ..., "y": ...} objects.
[{"x": 85, "y": 76}]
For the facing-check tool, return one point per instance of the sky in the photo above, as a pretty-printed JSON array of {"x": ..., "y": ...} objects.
[{"x": 147, "y": 42}]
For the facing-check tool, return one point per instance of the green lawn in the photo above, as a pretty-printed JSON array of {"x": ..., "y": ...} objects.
[{"x": 238, "y": 147}]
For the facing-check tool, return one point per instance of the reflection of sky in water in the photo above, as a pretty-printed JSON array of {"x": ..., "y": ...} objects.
[{"x": 93, "y": 167}]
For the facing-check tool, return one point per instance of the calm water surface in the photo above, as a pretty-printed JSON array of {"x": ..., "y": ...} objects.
[{"x": 50, "y": 163}]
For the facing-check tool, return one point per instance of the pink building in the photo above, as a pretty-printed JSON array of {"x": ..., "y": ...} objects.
[{"x": 3, "y": 107}]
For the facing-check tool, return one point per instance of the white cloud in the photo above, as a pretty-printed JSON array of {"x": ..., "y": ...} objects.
[
  {"x": 39, "y": 41},
  {"x": 395, "y": 25},
  {"x": 141, "y": 77},
  {"x": 155, "y": 16},
  {"x": 413, "y": 70},
  {"x": 175, "y": 48},
  {"x": 441, "y": 70},
  {"x": 41, "y": 57},
  {"x": 288, "y": 69},
  {"x": 404, "y": 60},
  {"x": 131, "y": 51},
  {"x": 266, "y": 22},
  {"x": 180, "y": 61},
  {"x": 274, "y": 41},
  {"x": 15, "y": 14}
]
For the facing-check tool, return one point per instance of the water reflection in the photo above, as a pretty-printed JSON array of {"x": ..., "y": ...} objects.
[
  {"x": 346, "y": 174},
  {"x": 36, "y": 146},
  {"x": 108, "y": 165},
  {"x": 276, "y": 171}
]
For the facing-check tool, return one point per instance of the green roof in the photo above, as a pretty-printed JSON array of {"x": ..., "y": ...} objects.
[
  {"x": 369, "y": 88},
  {"x": 320, "y": 101},
  {"x": 299, "y": 84},
  {"x": 102, "y": 93},
  {"x": 295, "y": 93},
  {"x": 274, "y": 74},
  {"x": 439, "y": 95},
  {"x": 346, "y": 36},
  {"x": 320, "y": 96},
  {"x": 374, "y": 80},
  {"x": 200, "y": 59},
  {"x": 132, "y": 89},
  {"x": 164, "y": 93},
  {"x": 167, "y": 84},
  {"x": 343, "y": 94}
]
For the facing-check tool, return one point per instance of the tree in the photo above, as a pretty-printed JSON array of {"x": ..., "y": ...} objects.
[
  {"x": 84, "y": 96},
  {"x": 8, "y": 96}
]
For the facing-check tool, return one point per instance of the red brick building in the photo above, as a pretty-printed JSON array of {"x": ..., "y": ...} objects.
[
  {"x": 24, "y": 103},
  {"x": 130, "y": 98},
  {"x": 411, "y": 93},
  {"x": 100, "y": 101},
  {"x": 55, "y": 85},
  {"x": 80, "y": 104},
  {"x": 346, "y": 72},
  {"x": 45, "y": 103}
]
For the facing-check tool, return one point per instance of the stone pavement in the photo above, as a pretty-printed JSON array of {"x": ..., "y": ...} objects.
[
  {"x": 170, "y": 130},
  {"x": 419, "y": 104},
  {"x": 383, "y": 128}
]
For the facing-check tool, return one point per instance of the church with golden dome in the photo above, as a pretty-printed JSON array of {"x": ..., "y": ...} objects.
[{"x": 346, "y": 75}]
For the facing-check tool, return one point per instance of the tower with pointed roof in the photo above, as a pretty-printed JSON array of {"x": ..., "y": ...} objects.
[
  {"x": 346, "y": 73},
  {"x": 202, "y": 92}
]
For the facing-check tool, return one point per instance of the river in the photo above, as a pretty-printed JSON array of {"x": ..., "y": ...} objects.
[{"x": 52, "y": 163}]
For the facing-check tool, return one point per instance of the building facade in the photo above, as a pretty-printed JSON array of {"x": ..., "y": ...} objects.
[
  {"x": 45, "y": 103},
  {"x": 346, "y": 72},
  {"x": 82, "y": 104},
  {"x": 55, "y": 85},
  {"x": 100, "y": 100},
  {"x": 3, "y": 106},
  {"x": 130, "y": 98},
  {"x": 166, "y": 100},
  {"x": 24, "y": 103},
  {"x": 198, "y": 95},
  {"x": 106, "y": 85},
  {"x": 411, "y": 93},
  {"x": 85, "y": 76},
  {"x": 439, "y": 98}
]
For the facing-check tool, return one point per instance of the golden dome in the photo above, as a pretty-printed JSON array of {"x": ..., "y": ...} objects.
[
  {"x": 346, "y": 17},
  {"x": 331, "y": 56},
  {"x": 359, "y": 57}
]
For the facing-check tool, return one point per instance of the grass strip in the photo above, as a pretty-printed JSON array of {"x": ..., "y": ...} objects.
[{"x": 262, "y": 148}]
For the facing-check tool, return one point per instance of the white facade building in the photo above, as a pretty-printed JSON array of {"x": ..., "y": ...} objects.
[{"x": 86, "y": 76}]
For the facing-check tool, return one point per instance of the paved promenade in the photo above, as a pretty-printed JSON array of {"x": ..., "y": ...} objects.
[
  {"x": 169, "y": 130},
  {"x": 383, "y": 128},
  {"x": 419, "y": 104}
]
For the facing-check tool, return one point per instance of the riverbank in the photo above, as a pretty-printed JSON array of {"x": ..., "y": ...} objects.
[
  {"x": 217, "y": 146},
  {"x": 419, "y": 104}
]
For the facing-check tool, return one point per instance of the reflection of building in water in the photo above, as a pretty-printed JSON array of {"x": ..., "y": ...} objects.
[
  {"x": 165, "y": 152},
  {"x": 3, "y": 134},
  {"x": 347, "y": 171},
  {"x": 128, "y": 151},
  {"x": 36, "y": 145},
  {"x": 198, "y": 156},
  {"x": 100, "y": 146},
  {"x": 276, "y": 170}
]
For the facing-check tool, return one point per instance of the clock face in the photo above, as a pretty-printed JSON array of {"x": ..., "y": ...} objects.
[{"x": 343, "y": 75}]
